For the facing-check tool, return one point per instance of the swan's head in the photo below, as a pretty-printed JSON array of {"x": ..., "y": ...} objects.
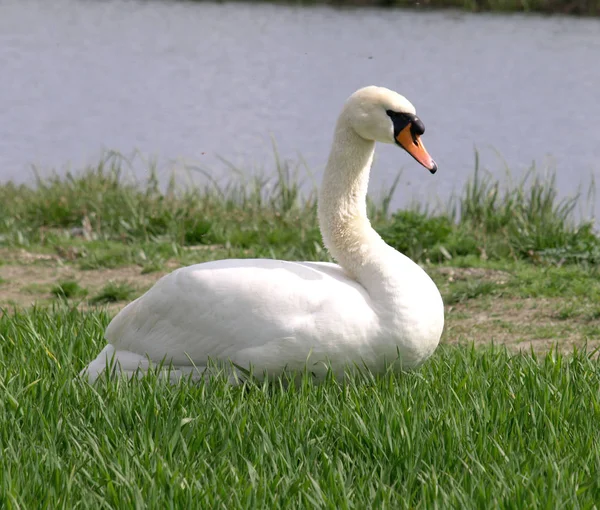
[{"x": 382, "y": 115}]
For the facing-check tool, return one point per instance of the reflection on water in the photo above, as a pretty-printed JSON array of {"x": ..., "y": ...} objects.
[{"x": 198, "y": 80}]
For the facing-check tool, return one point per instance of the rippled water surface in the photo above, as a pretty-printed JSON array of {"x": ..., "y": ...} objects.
[{"x": 194, "y": 81}]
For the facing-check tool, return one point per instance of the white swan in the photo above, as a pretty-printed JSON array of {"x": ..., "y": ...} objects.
[{"x": 375, "y": 308}]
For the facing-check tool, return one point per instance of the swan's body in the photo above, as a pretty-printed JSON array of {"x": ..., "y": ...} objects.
[{"x": 374, "y": 308}]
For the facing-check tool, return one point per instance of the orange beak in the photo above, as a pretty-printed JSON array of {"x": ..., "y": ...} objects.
[{"x": 412, "y": 144}]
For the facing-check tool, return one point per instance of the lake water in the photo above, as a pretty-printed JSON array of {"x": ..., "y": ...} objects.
[{"x": 189, "y": 82}]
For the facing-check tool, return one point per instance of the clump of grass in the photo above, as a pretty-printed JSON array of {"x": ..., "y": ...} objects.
[
  {"x": 593, "y": 314},
  {"x": 113, "y": 292},
  {"x": 266, "y": 214},
  {"x": 68, "y": 289},
  {"x": 588, "y": 312},
  {"x": 152, "y": 266},
  {"x": 427, "y": 237},
  {"x": 469, "y": 429},
  {"x": 463, "y": 291},
  {"x": 526, "y": 220},
  {"x": 567, "y": 311},
  {"x": 125, "y": 222},
  {"x": 105, "y": 201},
  {"x": 490, "y": 220}
]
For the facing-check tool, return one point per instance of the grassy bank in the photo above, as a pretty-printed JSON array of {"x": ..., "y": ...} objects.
[
  {"x": 98, "y": 237},
  {"x": 477, "y": 426},
  {"x": 100, "y": 217},
  {"x": 65, "y": 235}
]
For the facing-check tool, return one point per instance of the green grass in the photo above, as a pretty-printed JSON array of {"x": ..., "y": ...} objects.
[
  {"x": 463, "y": 291},
  {"x": 35, "y": 288},
  {"x": 128, "y": 222},
  {"x": 113, "y": 292},
  {"x": 471, "y": 429},
  {"x": 100, "y": 217},
  {"x": 67, "y": 289},
  {"x": 523, "y": 280},
  {"x": 495, "y": 220}
]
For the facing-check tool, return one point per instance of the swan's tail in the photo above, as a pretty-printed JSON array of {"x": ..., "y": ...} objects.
[
  {"x": 128, "y": 364},
  {"x": 125, "y": 362}
]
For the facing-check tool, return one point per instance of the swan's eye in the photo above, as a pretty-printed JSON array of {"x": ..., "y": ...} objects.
[{"x": 417, "y": 127}]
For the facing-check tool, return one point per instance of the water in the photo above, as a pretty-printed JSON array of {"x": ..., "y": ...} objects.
[{"x": 194, "y": 81}]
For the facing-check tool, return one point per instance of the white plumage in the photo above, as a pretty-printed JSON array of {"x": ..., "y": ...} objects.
[{"x": 271, "y": 315}]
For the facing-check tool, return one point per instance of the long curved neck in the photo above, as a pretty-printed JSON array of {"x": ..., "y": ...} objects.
[{"x": 346, "y": 230}]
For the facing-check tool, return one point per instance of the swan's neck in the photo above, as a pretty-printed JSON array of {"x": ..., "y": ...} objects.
[{"x": 346, "y": 230}]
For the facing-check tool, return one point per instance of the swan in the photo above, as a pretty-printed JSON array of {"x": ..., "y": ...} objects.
[{"x": 375, "y": 308}]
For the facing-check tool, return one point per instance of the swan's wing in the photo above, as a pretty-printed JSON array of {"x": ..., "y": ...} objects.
[{"x": 247, "y": 311}]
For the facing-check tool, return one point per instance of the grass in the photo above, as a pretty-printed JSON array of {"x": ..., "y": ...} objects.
[
  {"x": 113, "y": 292},
  {"x": 125, "y": 222},
  {"x": 34, "y": 288},
  {"x": 471, "y": 429},
  {"x": 469, "y": 290},
  {"x": 521, "y": 280},
  {"x": 68, "y": 289},
  {"x": 475, "y": 427},
  {"x": 102, "y": 218}
]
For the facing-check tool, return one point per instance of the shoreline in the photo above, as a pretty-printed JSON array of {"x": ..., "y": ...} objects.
[{"x": 576, "y": 8}]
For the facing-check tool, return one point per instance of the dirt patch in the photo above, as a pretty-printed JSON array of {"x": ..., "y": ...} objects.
[
  {"x": 523, "y": 324},
  {"x": 26, "y": 283}
]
